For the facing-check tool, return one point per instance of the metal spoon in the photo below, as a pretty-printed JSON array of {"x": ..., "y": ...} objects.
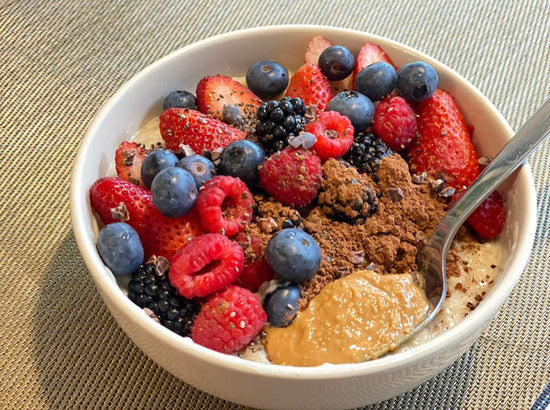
[{"x": 432, "y": 256}]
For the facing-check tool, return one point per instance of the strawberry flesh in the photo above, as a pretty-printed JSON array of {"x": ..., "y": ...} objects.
[
  {"x": 182, "y": 126},
  {"x": 215, "y": 92},
  {"x": 129, "y": 157},
  {"x": 309, "y": 84},
  {"x": 443, "y": 147}
]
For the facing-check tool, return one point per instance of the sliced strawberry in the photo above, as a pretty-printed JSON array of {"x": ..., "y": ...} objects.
[
  {"x": 128, "y": 159},
  {"x": 215, "y": 92},
  {"x": 114, "y": 199},
  {"x": 164, "y": 236},
  {"x": 256, "y": 269},
  {"x": 309, "y": 84},
  {"x": 181, "y": 126},
  {"x": 368, "y": 54},
  {"x": 334, "y": 134},
  {"x": 205, "y": 265},
  {"x": 443, "y": 147},
  {"x": 315, "y": 47},
  {"x": 489, "y": 218}
]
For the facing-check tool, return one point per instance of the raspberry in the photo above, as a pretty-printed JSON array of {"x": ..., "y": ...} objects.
[
  {"x": 256, "y": 270},
  {"x": 225, "y": 204},
  {"x": 395, "y": 122},
  {"x": 334, "y": 134},
  {"x": 292, "y": 176},
  {"x": 205, "y": 265},
  {"x": 488, "y": 219},
  {"x": 229, "y": 320}
]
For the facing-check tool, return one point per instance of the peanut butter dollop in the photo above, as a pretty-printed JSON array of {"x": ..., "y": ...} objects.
[{"x": 353, "y": 319}]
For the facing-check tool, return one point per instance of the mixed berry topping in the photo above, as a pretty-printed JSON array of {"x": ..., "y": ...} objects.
[{"x": 307, "y": 146}]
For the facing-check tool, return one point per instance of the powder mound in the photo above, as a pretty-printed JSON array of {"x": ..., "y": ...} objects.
[
  {"x": 388, "y": 240},
  {"x": 346, "y": 195}
]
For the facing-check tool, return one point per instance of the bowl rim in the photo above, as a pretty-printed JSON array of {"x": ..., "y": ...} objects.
[{"x": 79, "y": 205}]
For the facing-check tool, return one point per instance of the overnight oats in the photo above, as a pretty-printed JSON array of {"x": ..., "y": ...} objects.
[{"x": 278, "y": 217}]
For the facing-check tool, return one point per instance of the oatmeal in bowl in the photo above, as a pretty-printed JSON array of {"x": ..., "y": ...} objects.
[{"x": 277, "y": 229}]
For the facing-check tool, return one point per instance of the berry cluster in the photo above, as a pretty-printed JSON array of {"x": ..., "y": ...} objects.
[
  {"x": 366, "y": 152},
  {"x": 279, "y": 120},
  {"x": 190, "y": 200},
  {"x": 151, "y": 289}
]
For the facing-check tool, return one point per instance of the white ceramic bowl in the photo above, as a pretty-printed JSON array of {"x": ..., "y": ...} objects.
[{"x": 271, "y": 386}]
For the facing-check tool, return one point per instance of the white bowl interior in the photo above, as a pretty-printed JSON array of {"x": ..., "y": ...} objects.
[{"x": 258, "y": 384}]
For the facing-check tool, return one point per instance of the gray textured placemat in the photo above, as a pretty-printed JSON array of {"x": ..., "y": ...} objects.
[{"x": 60, "y": 60}]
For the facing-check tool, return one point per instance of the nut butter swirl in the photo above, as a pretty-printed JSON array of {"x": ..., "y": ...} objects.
[{"x": 353, "y": 319}]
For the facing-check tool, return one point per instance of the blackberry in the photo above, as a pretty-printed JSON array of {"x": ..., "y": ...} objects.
[
  {"x": 348, "y": 197},
  {"x": 365, "y": 153},
  {"x": 279, "y": 120},
  {"x": 148, "y": 289}
]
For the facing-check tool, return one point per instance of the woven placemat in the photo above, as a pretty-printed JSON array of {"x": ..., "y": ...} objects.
[{"x": 59, "y": 61}]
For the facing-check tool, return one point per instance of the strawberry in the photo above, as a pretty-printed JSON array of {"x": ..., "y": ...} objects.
[
  {"x": 229, "y": 320},
  {"x": 443, "y": 147},
  {"x": 488, "y": 219},
  {"x": 368, "y": 54},
  {"x": 256, "y": 269},
  {"x": 182, "y": 126},
  {"x": 114, "y": 199},
  {"x": 128, "y": 159},
  {"x": 395, "y": 122},
  {"x": 309, "y": 84},
  {"x": 314, "y": 49},
  {"x": 293, "y": 176},
  {"x": 334, "y": 134},
  {"x": 215, "y": 92},
  {"x": 205, "y": 265}
]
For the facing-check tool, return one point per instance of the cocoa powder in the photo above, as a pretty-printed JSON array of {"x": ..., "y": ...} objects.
[{"x": 387, "y": 240}]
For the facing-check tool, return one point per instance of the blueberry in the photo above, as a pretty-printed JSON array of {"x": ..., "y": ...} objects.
[
  {"x": 232, "y": 115},
  {"x": 356, "y": 106},
  {"x": 416, "y": 81},
  {"x": 294, "y": 255},
  {"x": 180, "y": 99},
  {"x": 376, "y": 80},
  {"x": 201, "y": 168},
  {"x": 336, "y": 62},
  {"x": 120, "y": 248},
  {"x": 155, "y": 162},
  {"x": 241, "y": 159},
  {"x": 281, "y": 305},
  {"x": 267, "y": 79},
  {"x": 174, "y": 191}
]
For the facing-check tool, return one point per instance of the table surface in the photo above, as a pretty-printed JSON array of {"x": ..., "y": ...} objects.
[{"x": 60, "y": 60}]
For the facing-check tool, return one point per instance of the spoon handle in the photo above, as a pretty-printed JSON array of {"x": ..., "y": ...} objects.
[{"x": 511, "y": 156}]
